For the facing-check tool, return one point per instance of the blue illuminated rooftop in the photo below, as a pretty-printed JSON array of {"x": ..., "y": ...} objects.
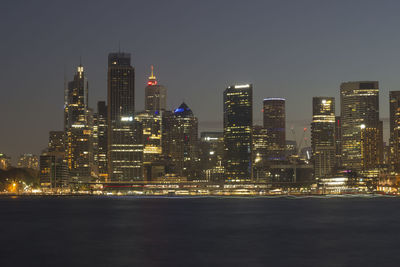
[{"x": 183, "y": 111}]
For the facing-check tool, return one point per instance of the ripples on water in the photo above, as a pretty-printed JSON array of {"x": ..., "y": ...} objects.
[{"x": 200, "y": 231}]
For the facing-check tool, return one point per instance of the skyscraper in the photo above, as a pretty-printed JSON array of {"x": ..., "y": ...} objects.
[
  {"x": 125, "y": 157},
  {"x": 394, "y": 141},
  {"x": 181, "y": 142},
  {"x": 323, "y": 136},
  {"x": 359, "y": 110},
  {"x": 275, "y": 124},
  {"x": 102, "y": 139},
  {"x": 238, "y": 123},
  {"x": 77, "y": 129},
  {"x": 155, "y": 94}
]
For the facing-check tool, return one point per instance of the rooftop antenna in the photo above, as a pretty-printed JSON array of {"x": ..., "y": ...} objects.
[{"x": 119, "y": 46}]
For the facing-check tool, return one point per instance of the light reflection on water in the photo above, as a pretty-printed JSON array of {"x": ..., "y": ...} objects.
[{"x": 187, "y": 231}]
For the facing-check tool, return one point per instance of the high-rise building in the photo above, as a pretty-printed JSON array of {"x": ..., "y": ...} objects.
[
  {"x": 101, "y": 122},
  {"x": 28, "y": 161},
  {"x": 155, "y": 94},
  {"x": 360, "y": 124},
  {"x": 211, "y": 153},
  {"x": 53, "y": 170},
  {"x": 181, "y": 142},
  {"x": 78, "y": 133},
  {"x": 260, "y": 151},
  {"x": 56, "y": 141},
  {"x": 238, "y": 123},
  {"x": 338, "y": 142},
  {"x": 125, "y": 153},
  {"x": 151, "y": 122},
  {"x": 394, "y": 140},
  {"x": 323, "y": 136},
  {"x": 275, "y": 124}
]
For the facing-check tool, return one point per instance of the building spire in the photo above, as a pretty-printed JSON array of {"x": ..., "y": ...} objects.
[{"x": 152, "y": 78}]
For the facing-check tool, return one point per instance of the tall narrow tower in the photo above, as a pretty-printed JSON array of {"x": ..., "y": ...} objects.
[
  {"x": 238, "y": 123},
  {"x": 124, "y": 158},
  {"x": 155, "y": 94},
  {"x": 274, "y": 123},
  {"x": 323, "y": 136},
  {"x": 78, "y": 133}
]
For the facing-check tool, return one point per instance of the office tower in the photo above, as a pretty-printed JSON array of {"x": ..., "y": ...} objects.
[
  {"x": 101, "y": 121},
  {"x": 5, "y": 162},
  {"x": 360, "y": 124},
  {"x": 78, "y": 133},
  {"x": 260, "y": 151},
  {"x": 238, "y": 123},
  {"x": 371, "y": 146},
  {"x": 53, "y": 170},
  {"x": 394, "y": 138},
  {"x": 155, "y": 94},
  {"x": 338, "y": 142},
  {"x": 28, "y": 161},
  {"x": 56, "y": 141},
  {"x": 275, "y": 124},
  {"x": 181, "y": 142},
  {"x": 151, "y": 122},
  {"x": 323, "y": 136},
  {"x": 211, "y": 153},
  {"x": 125, "y": 153}
]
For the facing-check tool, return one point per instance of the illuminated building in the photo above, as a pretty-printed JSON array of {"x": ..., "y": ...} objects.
[
  {"x": 125, "y": 151},
  {"x": 360, "y": 124},
  {"x": 101, "y": 122},
  {"x": 151, "y": 122},
  {"x": 56, "y": 141},
  {"x": 338, "y": 142},
  {"x": 394, "y": 141},
  {"x": 53, "y": 170},
  {"x": 181, "y": 142},
  {"x": 275, "y": 124},
  {"x": 291, "y": 148},
  {"x": 5, "y": 162},
  {"x": 28, "y": 161},
  {"x": 323, "y": 136},
  {"x": 260, "y": 151},
  {"x": 155, "y": 94},
  {"x": 238, "y": 123},
  {"x": 211, "y": 152},
  {"x": 371, "y": 146},
  {"x": 78, "y": 131}
]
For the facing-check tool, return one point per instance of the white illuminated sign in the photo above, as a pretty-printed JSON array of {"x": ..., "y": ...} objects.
[{"x": 126, "y": 118}]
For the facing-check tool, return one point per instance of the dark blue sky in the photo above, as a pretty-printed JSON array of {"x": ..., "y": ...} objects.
[{"x": 291, "y": 49}]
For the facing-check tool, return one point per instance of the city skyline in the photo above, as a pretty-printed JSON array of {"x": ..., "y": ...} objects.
[{"x": 313, "y": 66}]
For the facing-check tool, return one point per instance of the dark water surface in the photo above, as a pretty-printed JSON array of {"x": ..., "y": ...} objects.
[{"x": 130, "y": 231}]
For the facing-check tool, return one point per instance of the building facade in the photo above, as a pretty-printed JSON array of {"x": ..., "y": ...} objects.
[
  {"x": 78, "y": 133},
  {"x": 394, "y": 138},
  {"x": 238, "y": 123},
  {"x": 323, "y": 137},
  {"x": 360, "y": 124},
  {"x": 275, "y": 124},
  {"x": 125, "y": 153},
  {"x": 155, "y": 94}
]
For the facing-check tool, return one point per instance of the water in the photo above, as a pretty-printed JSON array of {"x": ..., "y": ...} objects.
[{"x": 130, "y": 231}]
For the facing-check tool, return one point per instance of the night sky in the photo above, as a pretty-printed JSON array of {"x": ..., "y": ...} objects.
[{"x": 292, "y": 49}]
